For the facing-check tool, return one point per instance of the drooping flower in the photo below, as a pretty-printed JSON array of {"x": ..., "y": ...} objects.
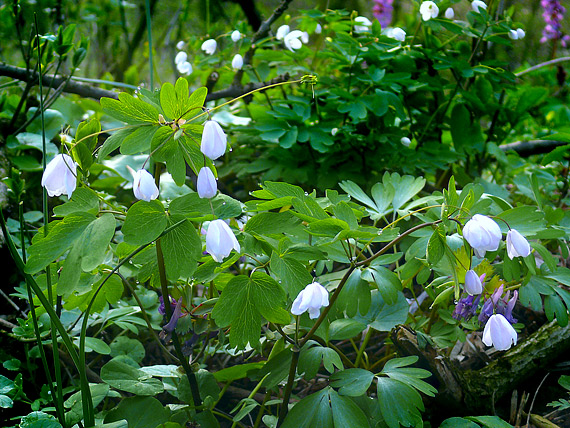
[
  {"x": 292, "y": 40},
  {"x": 209, "y": 46},
  {"x": 206, "y": 184},
  {"x": 449, "y": 13},
  {"x": 236, "y": 35},
  {"x": 428, "y": 10},
  {"x": 180, "y": 45},
  {"x": 59, "y": 177},
  {"x": 473, "y": 283},
  {"x": 305, "y": 37},
  {"x": 499, "y": 333},
  {"x": 466, "y": 307},
  {"x": 282, "y": 32},
  {"x": 363, "y": 26},
  {"x": 220, "y": 240},
  {"x": 406, "y": 141},
  {"x": 214, "y": 140},
  {"x": 383, "y": 10},
  {"x": 517, "y": 245},
  {"x": 180, "y": 57},
  {"x": 184, "y": 68},
  {"x": 478, "y": 5},
  {"x": 498, "y": 304},
  {"x": 176, "y": 314},
  {"x": 483, "y": 234},
  {"x": 397, "y": 34},
  {"x": 318, "y": 29},
  {"x": 144, "y": 186},
  {"x": 312, "y": 298},
  {"x": 513, "y": 35},
  {"x": 237, "y": 62},
  {"x": 520, "y": 33}
]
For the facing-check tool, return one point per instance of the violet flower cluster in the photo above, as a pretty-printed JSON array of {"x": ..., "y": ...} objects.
[
  {"x": 383, "y": 10},
  {"x": 553, "y": 15}
]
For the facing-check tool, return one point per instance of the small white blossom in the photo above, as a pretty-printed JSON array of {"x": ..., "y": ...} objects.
[
  {"x": 499, "y": 333},
  {"x": 477, "y": 5},
  {"x": 449, "y": 13},
  {"x": 520, "y": 33},
  {"x": 292, "y": 41},
  {"x": 59, "y": 177},
  {"x": 214, "y": 140},
  {"x": 184, "y": 67},
  {"x": 180, "y": 57},
  {"x": 237, "y": 62},
  {"x": 220, "y": 240},
  {"x": 405, "y": 141},
  {"x": 517, "y": 245},
  {"x": 312, "y": 298},
  {"x": 513, "y": 35},
  {"x": 206, "y": 184},
  {"x": 483, "y": 234},
  {"x": 428, "y": 10},
  {"x": 318, "y": 29},
  {"x": 363, "y": 24},
  {"x": 180, "y": 45},
  {"x": 209, "y": 46},
  {"x": 397, "y": 33},
  {"x": 473, "y": 283},
  {"x": 144, "y": 187},
  {"x": 305, "y": 37},
  {"x": 282, "y": 32},
  {"x": 236, "y": 35}
]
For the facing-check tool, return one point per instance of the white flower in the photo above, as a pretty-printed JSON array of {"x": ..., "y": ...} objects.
[
  {"x": 364, "y": 24},
  {"x": 184, "y": 67},
  {"x": 499, "y": 333},
  {"x": 236, "y": 35},
  {"x": 513, "y": 34},
  {"x": 180, "y": 58},
  {"x": 206, "y": 184},
  {"x": 428, "y": 10},
  {"x": 449, "y": 13},
  {"x": 517, "y": 245},
  {"x": 209, "y": 46},
  {"x": 477, "y": 5},
  {"x": 220, "y": 240},
  {"x": 473, "y": 284},
  {"x": 311, "y": 298},
  {"x": 520, "y": 33},
  {"x": 144, "y": 186},
  {"x": 59, "y": 177},
  {"x": 282, "y": 32},
  {"x": 214, "y": 140},
  {"x": 406, "y": 141},
  {"x": 292, "y": 41},
  {"x": 180, "y": 45},
  {"x": 483, "y": 234},
  {"x": 305, "y": 37},
  {"x": 237, "y": 62},
  {"x": 318, "y": 29},
  {"x": 397, "y": 33}
]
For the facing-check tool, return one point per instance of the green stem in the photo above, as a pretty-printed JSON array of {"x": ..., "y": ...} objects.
[
  {"x": 289, "y": 387},
  {"x": 363, "y": 347},
  {"x": 149, "y": 31}
]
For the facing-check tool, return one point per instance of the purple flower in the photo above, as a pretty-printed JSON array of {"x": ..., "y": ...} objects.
[
  {"x": 553, "y": 15},
  {"x": 174, "y": 318},
  {"x": 162, "y": 309},
  {"x": 383, "y": 11},
  {"x": 466, "y": 307},
  {"x": 496, "y": 304}
]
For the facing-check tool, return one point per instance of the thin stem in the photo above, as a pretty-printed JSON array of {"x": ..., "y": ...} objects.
[
  {"x": 543, "y": 64},
  {"x": 363, "y": 347},
  {"x": 149, "y": 32},
  {"x": 289, "y": 387}
]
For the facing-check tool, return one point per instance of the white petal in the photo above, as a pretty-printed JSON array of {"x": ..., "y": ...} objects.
[
  {"x": 206, "y": 184},
  {"x": 180, "y": 57}
]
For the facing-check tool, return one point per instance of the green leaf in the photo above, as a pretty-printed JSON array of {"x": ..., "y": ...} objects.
[
  {"x": 458, "y": 423},
  {"x": 61, "y": 236},
  {"x": 293, "y": 275},
  {"x": 165, "y": 148},
  {"x": 242, "y": 304},
  {"x": 325, "y": 409},
  {"x": 272, "y": 223},
  {"x": 139, "y": 140},
  {"x": 195, "y": 102},
  {"x": 127, "y": 378},
  {"x": 131, "y": 348},
  {"x": 311, "y": 358},
  {"x": 129, "y": 109},
  {"x": 345, "y": 328},
  {"x": 352, "y": 382},
  {"x": 527, "y": 220},
  {"x": 400, "y": 404},
  {"x": 39, "y": 420},
  {"x": 83, "y": 199},
  {"x": 355, "y": 295},
  {"x": 395, "y": 369},
  {"x": 95, "y": 241},
  {"x": 384, "y": 317},
  {"x": 182, "y": 248},
  {"x": 436, "y": 246},
  {"x": 237, "y": 372},
  {"x": 387, "y": 282},
  {"x": 85, "y": 144},
  {"x": 114, "y": 142},
  {"x": 145, "y": 221},
  {"x": 139, "y": 412},
  {"x": 406, "y": 187},
  {"x": 98, "y": 393},
  {"x": 490, "y": 421}
]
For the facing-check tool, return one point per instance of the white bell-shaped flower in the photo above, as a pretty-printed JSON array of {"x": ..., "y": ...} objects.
[
  {"x": 144, "y": 186},
  {"x": 220, "y": 240},
  {"x": 209, "y": 46},
  {"x": 214, "y": 140},
  {"x": 184, "y": 68},
  {"x": 180, "y": 45},
  {"x": 282, "y": 32},
  {"x": 236, "y": 35},
  {"x": 499, "y": 333},
  {"x": 483, "y": 234},
  {"x": 206, "y": 184},
  {"x": 513, "y": 35},
  {"x": 478, "y": 5},
  {"x": 406, "y": 141},
  {"x": 180, "y": 57},
  {"x": 318, "y": 29},
  {"x": 429, "y": 10},
  {"x": 237, "y": 62},
  {"x": 473, "y": 284},
  {"x": 59, "y": 177},
  {"x": 398, "y": 34},
  {"x": 449, "y": 13},
  {"x": 520, "y": 33},
  {"x": 293, "y": 40},
  {"x": 312, "y": 298},
  {"x": 363, "y": 26},
  {"x": 517, "y": 245}
]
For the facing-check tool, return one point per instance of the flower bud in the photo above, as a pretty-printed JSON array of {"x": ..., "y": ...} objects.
[
  {"x": 236, "y": 35},
  {"x": 220, "y": 240},
  {"x": 180, "y": 45},
  {"x": 180, "y": 57},
  {"x": 206, "y": 184},
  {"x": 184, "y": 68},
  {"x": 214, "y": 140},
  {"x": 209, "y": 46},
  {"x": 398, "y": 34},
  {"x": 59, "y": 177},
  {"x": 449, "y": 13},
  {"x": 364, "y": 24},
  {"x": 318, "y": 29},
  {"x": 477, "y": 5},
  {"x": 483, "y": 234},
  {"x": 513, "y": 35},
  {"x": 517, "y": 245},
  {"x": 312, "y": 298},
  {"x": 429, "y": 10},
  {"x": 282, "y": 32},
  {"x": 520, "y": 33},
  {"x": 499, "y": 333},
  {"x": 473, "y": 284},
  {"x": 406, "y": 141},
  {"x": 237, "y": 62},
  {"x": 144, "y": 186}
]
